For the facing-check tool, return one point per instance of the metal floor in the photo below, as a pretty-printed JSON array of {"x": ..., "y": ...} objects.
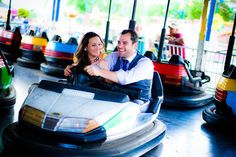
[{"x": 187, "y": 134}]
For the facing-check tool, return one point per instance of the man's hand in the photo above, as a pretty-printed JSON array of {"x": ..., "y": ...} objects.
[
  {"x": 93, "y": 70},
  {"x": 172, "y": 40},
  {"x": 103, "y": 64}
]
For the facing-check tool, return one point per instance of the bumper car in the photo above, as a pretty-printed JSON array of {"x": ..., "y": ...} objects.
[
  {"x": 59, "y": 119},
  {"x": 7, "y": 91},
  {"x": 9, "y": 43},
  {"x": 32, "y": 49},
  {"x": 183, "y": 88},
  {"x": 223, "y": 112},
  {"x": 58, "y": 55}
]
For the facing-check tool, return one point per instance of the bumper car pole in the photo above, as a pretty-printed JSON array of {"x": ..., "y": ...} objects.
[
  {"x": 163, "y": 32},
  {"x": 8, "y": 17},
  {"x": 132, "y": 22},
  {"x": 230, "y": 47},
  {"x": 108, "y": 27}
]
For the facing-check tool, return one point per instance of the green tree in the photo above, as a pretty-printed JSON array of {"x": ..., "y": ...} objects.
[
  {"x": 225, "y": 11},
  {"x": 194, "y": 10},
  {"x": 85, "y": 6},
  {"x": 155, "y": 10}
]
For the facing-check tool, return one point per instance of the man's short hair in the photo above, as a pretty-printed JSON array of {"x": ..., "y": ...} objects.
[{"x": 133, "y": 34}]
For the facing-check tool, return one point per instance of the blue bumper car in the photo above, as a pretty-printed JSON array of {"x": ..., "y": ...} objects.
[{"x": 58, "y": 55}]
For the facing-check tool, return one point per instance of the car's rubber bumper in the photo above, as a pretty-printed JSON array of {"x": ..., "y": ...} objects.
[
  {"x": 8, "y": 99},
  {"x": 31, "y": 59},
  {"x": 10, "y": 52},
  {"x": 214, "y": 117},
  {"x": 54, "y": 70},
  {"x": 24, "y": 62},
  {"x": 24, "y": 143},
  {"x": 187, "y": 101}
]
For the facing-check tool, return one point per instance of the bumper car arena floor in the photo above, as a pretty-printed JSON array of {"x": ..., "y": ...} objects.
[{"x": 187, "y": 133}]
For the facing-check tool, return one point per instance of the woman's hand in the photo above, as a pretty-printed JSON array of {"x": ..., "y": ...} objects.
[{"x": 67, "y": 70}]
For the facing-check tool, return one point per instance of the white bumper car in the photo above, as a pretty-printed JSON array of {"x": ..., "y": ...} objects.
[{"x": 59, "y": 119}]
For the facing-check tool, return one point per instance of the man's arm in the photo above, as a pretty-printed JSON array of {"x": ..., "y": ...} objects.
[
  {"x": 109, "y": 75},
  {"x": 179, "y": 41},
  {"x": 143, "y": 70},
  {"x": 94, "y": 70}
]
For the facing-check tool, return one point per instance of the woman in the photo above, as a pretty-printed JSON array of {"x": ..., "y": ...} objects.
[{"x": 89, "y": 52}]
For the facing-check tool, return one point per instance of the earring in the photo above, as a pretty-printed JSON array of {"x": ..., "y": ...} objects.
[{"x": 85, "y": 49}]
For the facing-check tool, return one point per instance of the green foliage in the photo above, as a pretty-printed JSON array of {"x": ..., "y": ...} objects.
[
  {"x": 178, "y": 10},
  {"x": 190, "y": 9},
  {"x": 194, "y": 10},
  {"x": 155, "y": 10},
  {"x": 86, "y": 6},
  {"x": 80, "y": 5},
  {"x": 173, "y": 10},
  {"x": 120, "y": 9},
  {"x": 225, "y": 11},
  {"x": 23, "y": 12}
]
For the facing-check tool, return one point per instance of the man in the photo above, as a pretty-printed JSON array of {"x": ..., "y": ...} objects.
[
  {"x": 137, "y": 74},
  {"x": 176, "y": 38}
]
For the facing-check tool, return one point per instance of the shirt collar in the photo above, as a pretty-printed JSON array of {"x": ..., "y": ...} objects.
[{"x": 131, "y": 57}]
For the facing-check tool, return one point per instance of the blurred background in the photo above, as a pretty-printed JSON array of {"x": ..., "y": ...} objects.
[{"x": 75, "y": 17}]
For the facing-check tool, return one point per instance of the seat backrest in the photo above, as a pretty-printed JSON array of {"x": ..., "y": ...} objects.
[
  {"x": 176, "y": 59},
  {"x": 57, "y": 38},
  {"x": 150, "y": 55},
  {"x": 44, "y": 35},
  {"x": 157, "y": 94},
  {"x": 72, "y": 41},
  {"x": 230, "y": 72},
  {"x": 31, "y": 33}
]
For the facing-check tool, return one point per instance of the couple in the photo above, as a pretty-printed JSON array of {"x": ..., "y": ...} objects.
[{"x": 137, "y": 74}]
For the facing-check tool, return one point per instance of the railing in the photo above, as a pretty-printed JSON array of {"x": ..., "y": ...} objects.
[{"x": 212, "y": 64}]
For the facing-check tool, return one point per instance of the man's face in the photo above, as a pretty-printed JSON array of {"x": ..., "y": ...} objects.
[
  {"x": 173, "y": 31},
  {"x": 125, "y": 46}
]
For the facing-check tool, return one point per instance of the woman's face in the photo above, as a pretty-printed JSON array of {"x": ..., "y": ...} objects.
[{"x": 94, "y": 47}]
